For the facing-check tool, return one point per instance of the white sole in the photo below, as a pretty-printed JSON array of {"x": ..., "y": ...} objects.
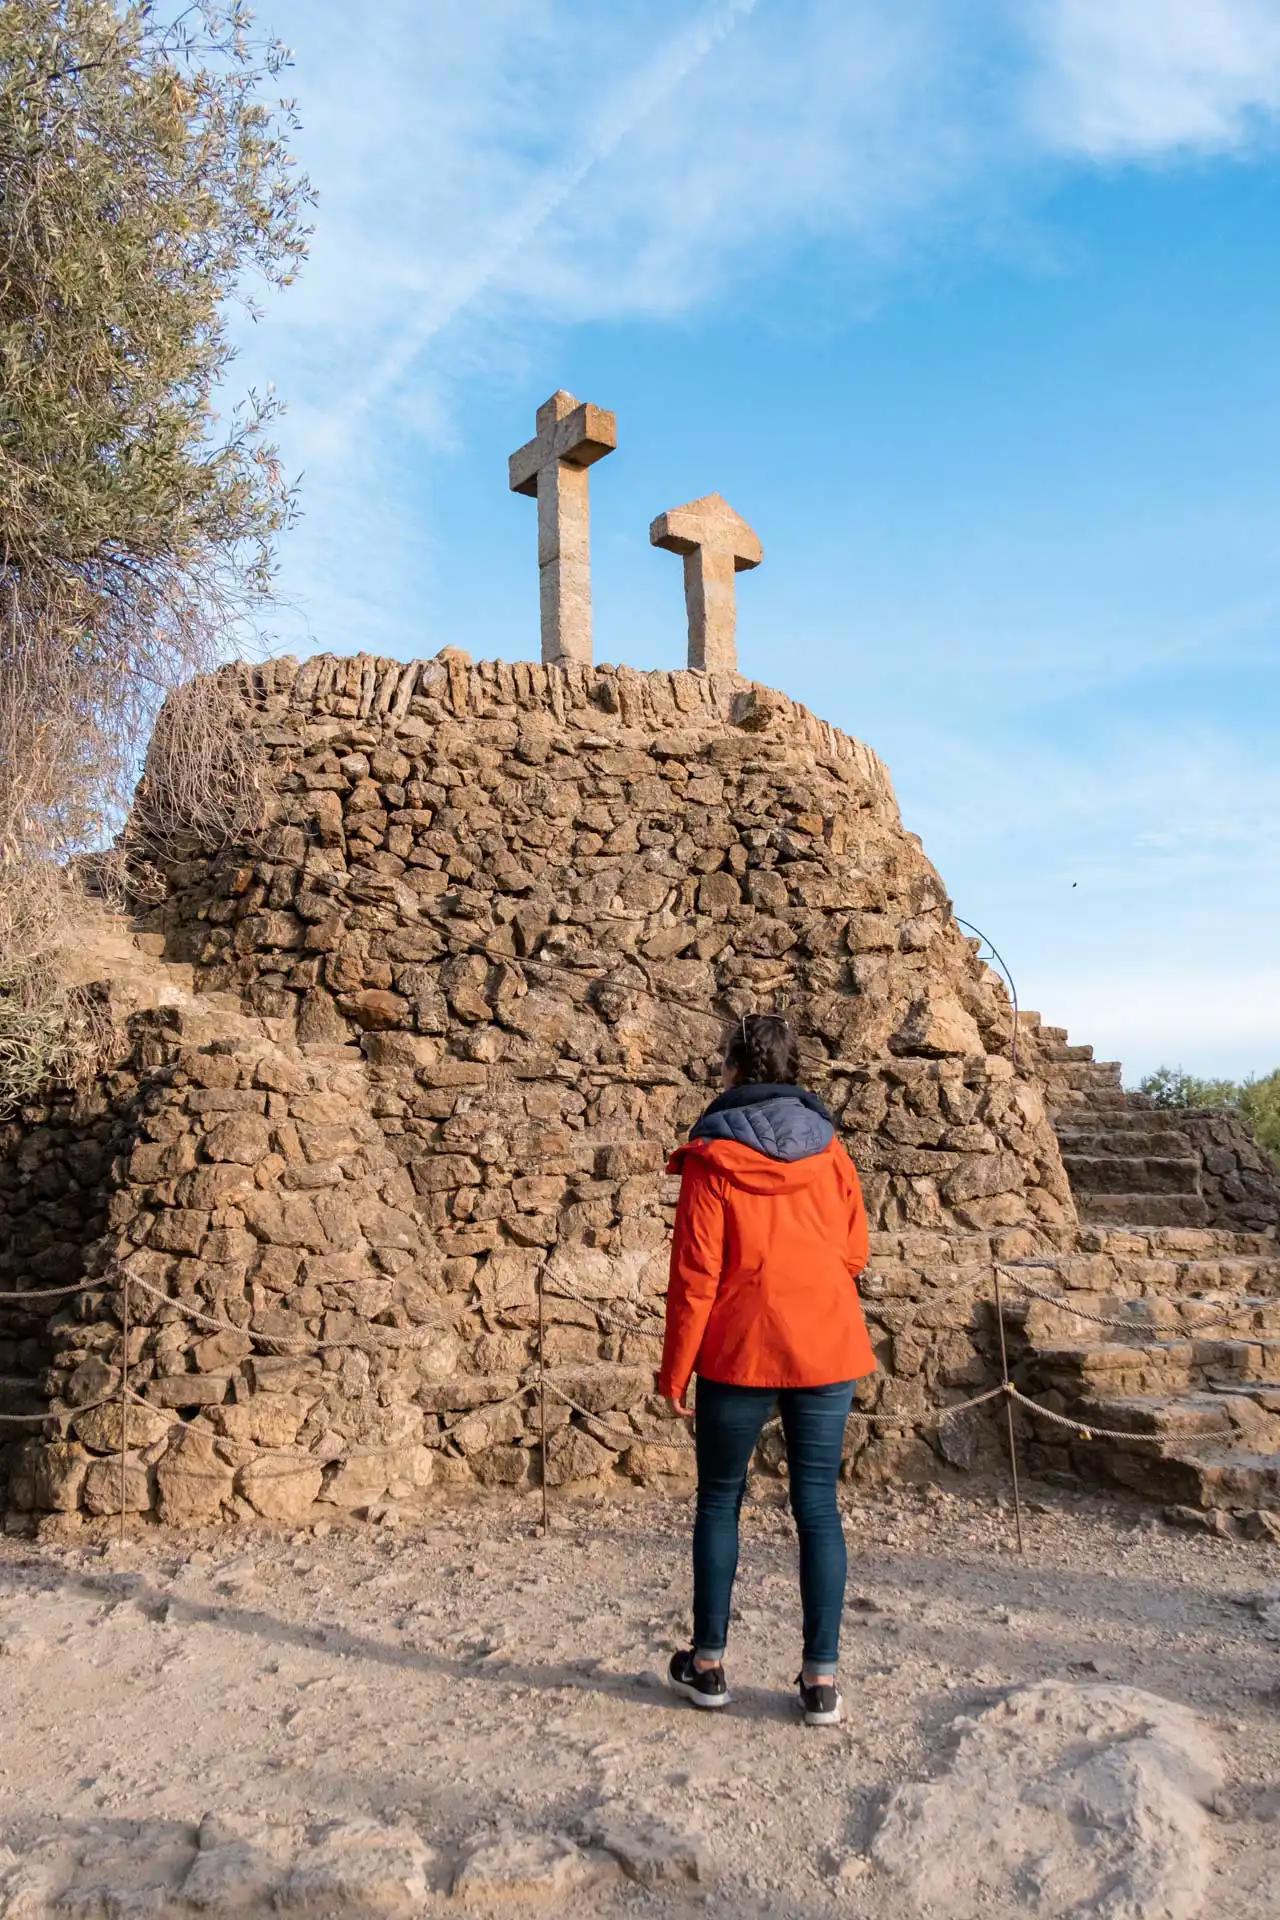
[
  {"x": 709, "y": 1703},
  {"x": 832, "y": 1719}
]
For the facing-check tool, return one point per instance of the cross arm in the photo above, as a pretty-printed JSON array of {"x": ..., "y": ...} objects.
[
  {"x": 582, "y": 437},
  {"x": 709, "y": 523}
]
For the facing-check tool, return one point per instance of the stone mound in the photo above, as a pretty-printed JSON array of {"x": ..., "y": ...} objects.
[
  {"x": 382, "y": 1140},
  {"x": 1066, "y": 1801}
]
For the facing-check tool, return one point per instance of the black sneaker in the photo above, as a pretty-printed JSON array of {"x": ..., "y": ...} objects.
[
  {"x": 823, "y": 1705},
  {"x": 699, "y": 1689}
]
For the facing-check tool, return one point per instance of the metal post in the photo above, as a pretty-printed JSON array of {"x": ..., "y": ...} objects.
[
  {"x": 1008, "y": 1412},
  {"x": 124, "y": 1399},
  {"x": 542, "y": 1400}
]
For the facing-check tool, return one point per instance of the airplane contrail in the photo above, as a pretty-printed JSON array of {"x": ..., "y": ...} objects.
[{"x": 644, "y": 92}]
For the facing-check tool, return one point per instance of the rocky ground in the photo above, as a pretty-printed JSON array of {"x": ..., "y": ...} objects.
[{"x": 441, "y": 1714}]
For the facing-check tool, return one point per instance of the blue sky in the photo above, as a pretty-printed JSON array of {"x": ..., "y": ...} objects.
[{"x": 969, "y": 306}]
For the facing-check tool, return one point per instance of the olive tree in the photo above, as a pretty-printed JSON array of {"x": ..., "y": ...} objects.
[{"x": 145, "y": 182}]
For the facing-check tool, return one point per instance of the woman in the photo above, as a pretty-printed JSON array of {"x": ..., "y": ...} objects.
[{"x": 770, "y": 1235}]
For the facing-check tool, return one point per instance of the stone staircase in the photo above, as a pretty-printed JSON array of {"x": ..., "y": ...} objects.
[
  {"x": 1129, "y": 1163},
  {"x": 1200, "y": 1397}
]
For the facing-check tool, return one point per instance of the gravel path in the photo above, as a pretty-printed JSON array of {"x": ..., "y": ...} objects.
[{"x": 467, "y": 1688}]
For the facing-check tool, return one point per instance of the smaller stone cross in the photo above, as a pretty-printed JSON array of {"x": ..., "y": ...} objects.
[
  {"x": 716, "y": 543},
  {"x": 553, "y": 467}
]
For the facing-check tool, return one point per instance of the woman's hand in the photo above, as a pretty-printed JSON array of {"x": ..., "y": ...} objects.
[{"x": 674, "y": 1400}]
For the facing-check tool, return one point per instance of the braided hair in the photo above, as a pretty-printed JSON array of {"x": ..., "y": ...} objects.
[{"x": 762, "y": 1048}]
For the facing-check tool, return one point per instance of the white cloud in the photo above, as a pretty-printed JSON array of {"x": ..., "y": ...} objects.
[
  {"x": 492, "y": 170},
  {"x": 565, "y": 163},
  {"x": 568, "y": 163},
  {"x": 508, "y": 255},
  {"x": 1119, "y": 79}
]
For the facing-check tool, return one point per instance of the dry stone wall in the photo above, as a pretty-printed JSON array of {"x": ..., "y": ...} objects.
[
  {"x": 56, "y": 1174},
  {"x": 1237, "y": 1180},
  {"x": 559, "y": 885},
  {"x": 477, "y": 960}
]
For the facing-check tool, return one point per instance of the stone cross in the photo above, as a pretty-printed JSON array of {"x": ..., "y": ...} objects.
[
  {"x": 553, "y": 467},
  {"x": 716, "y": 543}
]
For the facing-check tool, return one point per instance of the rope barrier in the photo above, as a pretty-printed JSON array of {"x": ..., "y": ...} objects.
[
  {"x": 409, "y": 1339},
  {"x": 48, "y": 1293},
  {"x": 59, "y": 1413},
  {"x": 945, "y": 1413},
  {"x": 1088, "y": 1432},
  {"x": 871, "y": 1304},
  {"x": 895, "y": 1316},
  {"x": 303, "y": 1462},
  {"x": 1006, "y": 1384},
  {"x": 398, "y": 1340},
  {"x": 625, "y": 1433},
  {"x": 881, "y": 1309},
  {"x": 648, "y": 1326},
  {"x": 292, "y": 1462},
  {"x": 655, "y": 1332},
  {"x": 940, "y": 1415},
  {"x": 1132, "y": 1325},
  {"x": 632, "y": 1438}
]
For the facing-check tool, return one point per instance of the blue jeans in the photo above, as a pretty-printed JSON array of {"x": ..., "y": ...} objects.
[{"x": 726, "y": 1429}]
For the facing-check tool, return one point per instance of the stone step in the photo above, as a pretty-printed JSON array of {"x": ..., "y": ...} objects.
[
  {"x": 1055, "y": 1036},
  {"x": 1122, "y": 1119},
  {"x": 1082, "y": 1109},
  {"x": 1182, "y": 1243},
  {"x": 1093, "y": 1142},
  {"x": 1211, "y": 1447},
  {"x": 1129, "y": 1118},
  {"x": 1150, "y": 1278},
  {"x": 1241, "y": 1479},
  {"x": 1265, "y": 1397},
  {"x": 1157, "y": 1316},
  {"x": 1174, "y": 1365},
  {"x": 1085, "y": 1075},
  {"x": 1107, "y": 1173},
  {"x": 1125, "y": 1118},
  {"x": 1172, "y": 1416},
  {"x": 1143, "y": 1209}
]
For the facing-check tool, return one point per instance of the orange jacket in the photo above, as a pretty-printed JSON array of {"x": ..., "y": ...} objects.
[{"x": 763, "y": 1262}]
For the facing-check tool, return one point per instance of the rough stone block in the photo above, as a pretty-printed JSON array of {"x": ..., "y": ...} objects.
[
  {"x": 281, "y": 1488},
  {"x": 242, "y": 1138},
  {"x": 193, "y": 1480}
]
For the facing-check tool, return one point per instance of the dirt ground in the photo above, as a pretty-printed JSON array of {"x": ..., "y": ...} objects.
[{"x": 481, "y": 1708}]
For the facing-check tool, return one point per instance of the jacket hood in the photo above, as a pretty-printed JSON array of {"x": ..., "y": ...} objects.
[{"x": 769, "y": 1139}]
